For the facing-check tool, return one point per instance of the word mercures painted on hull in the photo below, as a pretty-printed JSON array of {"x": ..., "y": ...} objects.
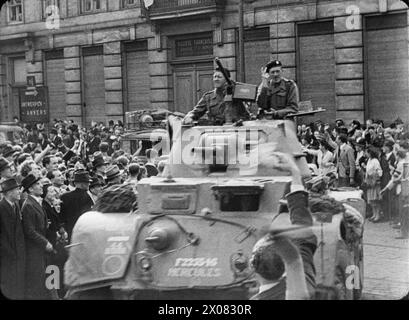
[{"x": 195, "y": 267}]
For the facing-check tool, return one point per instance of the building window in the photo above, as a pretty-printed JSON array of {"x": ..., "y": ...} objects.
[
  {"x": 19, "y": 70},
  {"x": 49, "y": 7},
  {"x": 128, "y": 3},
  {"x": 90, "y": 6},
  {"x": 15, "y": 8}
]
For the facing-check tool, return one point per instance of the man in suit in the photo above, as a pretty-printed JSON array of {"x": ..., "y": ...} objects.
[
  {"x": 55, "y": 138},
  {"x": 275, "y": 255},
  {"x": 389, "y": 198},
  {"x": 37, "y": 245},
  {"x": 76, "y": 202},
  {"x": 94, "y": 141},
  {"x": 387, "y": 161},
  {"x": 100, "y": 166},
  {"x": 12, "y": 244},
  {"x": 345, "y": 162}
]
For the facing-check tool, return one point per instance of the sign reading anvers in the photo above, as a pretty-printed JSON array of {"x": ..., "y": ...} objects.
[{"x": 34, "y": 106}]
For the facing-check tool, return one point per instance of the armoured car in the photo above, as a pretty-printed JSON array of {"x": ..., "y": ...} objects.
[{"x": 195, "y": 227}]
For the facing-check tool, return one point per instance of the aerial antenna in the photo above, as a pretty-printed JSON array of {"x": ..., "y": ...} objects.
[{"x": 277, "y": 8}]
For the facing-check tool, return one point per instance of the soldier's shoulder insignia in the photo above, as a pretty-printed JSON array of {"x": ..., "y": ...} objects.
[{"x": 290, "y": 82}]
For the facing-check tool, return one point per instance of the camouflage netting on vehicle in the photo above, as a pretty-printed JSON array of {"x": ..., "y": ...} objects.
[
  {"x": 353, "y": 219},
  {"x": 117, "y": 199},
  {"x": 323, "y": 203}
]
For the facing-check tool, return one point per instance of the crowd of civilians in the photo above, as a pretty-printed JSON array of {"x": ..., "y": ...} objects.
[
  {"x": 47, "y": 181},
  {"x": 372, "y": 157}
]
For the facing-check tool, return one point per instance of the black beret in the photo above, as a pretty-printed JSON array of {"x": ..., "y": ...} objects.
[
  {"x": 227, "y": 71},
  {"x": 273, "y": 64}
]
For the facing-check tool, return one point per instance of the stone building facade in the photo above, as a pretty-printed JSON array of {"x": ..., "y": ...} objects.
[{"x": 105, "y": 57}]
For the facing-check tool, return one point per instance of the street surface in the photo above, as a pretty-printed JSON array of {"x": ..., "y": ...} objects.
[{"x": 386, "y": 263}]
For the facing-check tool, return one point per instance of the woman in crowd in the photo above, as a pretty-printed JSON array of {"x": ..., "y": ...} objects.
[
  {"x": 372, "y": 180},
  {"x": 324, "y": 157}
]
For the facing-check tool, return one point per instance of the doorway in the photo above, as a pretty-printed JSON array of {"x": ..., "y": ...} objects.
[
  {"x": 93, "y": 84},
  {"x": 191, "y": 81}
]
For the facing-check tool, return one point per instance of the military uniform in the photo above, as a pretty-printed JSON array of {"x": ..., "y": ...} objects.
[
  {"x": 282, "y": 97},
  {"x": 213, "y": 104}
]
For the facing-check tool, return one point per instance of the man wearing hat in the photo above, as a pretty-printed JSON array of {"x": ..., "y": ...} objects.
[
  {"x": 9, "y": 152},
  {"x": 95, "y": 189},
  {"x": 113, "y": 176},
  {"x": 37, "y": 245},
  {"x": 212, "y": 103},
  {"x": 12, "y": 243},
  {"x": 76, "y": 202},
  {"x": 6, "y": 169},
  {"x": 277, "y": 96},
  {"x": 100, "y": 167}
]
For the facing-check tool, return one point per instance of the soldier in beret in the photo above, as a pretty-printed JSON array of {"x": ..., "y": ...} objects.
[{"x": 277, "y": 96}]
